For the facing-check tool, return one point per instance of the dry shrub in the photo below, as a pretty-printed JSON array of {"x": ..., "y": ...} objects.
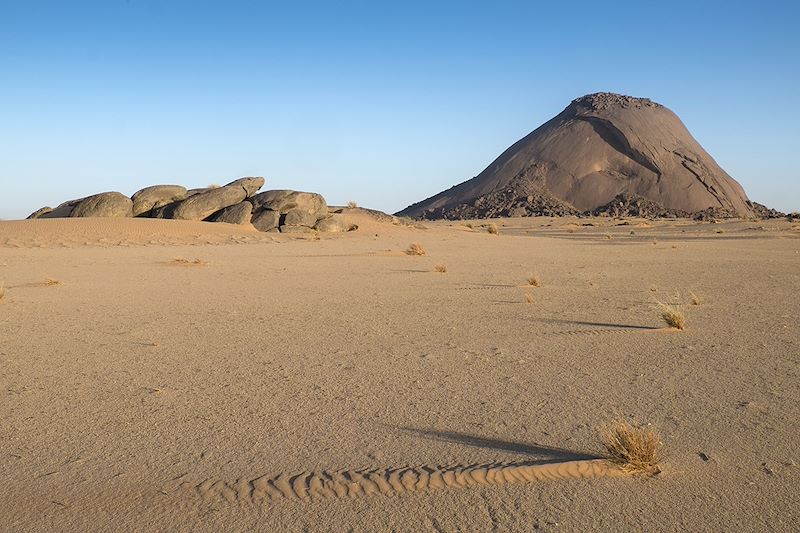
[
  {"x": 50, "y": 282},
  {"x": 672, "y": 316},
  {"x": 415, "y": 248},
  {"x": 534, "y": 281},
  {"x": 529, "y": 297},
  {"x": 493, "y": 229},
  {"x": 609, "y": 236},
  {"x": 467, "y": 224},
  {"x": 696, "y": 299},
  {"x": 634, "y": 449},
  {"x": 213, "y": 186},
  {"x": 179, "y": 261},
  {"x": 351, "y": 204},
  {"x": 440, "y": 268}
]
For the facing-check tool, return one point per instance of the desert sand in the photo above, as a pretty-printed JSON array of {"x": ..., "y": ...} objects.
[{"x": 161, "y": 375}]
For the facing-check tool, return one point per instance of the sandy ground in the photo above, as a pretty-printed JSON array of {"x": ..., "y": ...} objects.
[{"x": 129, "y": 382}]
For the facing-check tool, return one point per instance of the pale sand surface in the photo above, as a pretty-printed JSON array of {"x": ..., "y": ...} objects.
[{"x": 135, "y": 381}]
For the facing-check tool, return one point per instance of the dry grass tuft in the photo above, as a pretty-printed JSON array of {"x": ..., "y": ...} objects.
[
  {"x": 634, "y": 449},
  {"x": 50, "y": 282},
  {"x": 179, "y": 261},
  {"x": 608, "y": 236},
  {"x": 440, "y": 268},
  {"x": 467, "y": 224},
  {"x": 415, "y": 248},
  {"x": 672, "y": 316},
  {"x": 213, "y": 186},
  {"x": 696, "y": 299},
  {"x": 351, "y": 204},
  {"x": 529, "y": 297},
  {"x": 493, "y": 229},
  {"x": 534, "y": 281},
  {"x": 2, "y": 290}
]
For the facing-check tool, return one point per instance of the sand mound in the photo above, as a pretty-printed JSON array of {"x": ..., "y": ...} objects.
[
  {"x": 601, "y": 146},
  {"x": 70, "y": 232},
  {"x": 109, "y": 231}
]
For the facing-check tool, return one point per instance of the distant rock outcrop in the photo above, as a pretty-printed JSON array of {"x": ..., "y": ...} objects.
[
  {"x": 237, "y": 202},
  {"x": 601, "y": 148}
]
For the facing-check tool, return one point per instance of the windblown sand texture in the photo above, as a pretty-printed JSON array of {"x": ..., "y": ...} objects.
[
  {"x": 389, "y": 482},
  {"x": 284, "y": 383}
]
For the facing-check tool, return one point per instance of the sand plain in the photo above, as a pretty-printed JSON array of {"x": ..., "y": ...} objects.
[{"x": 138, "y": 391}]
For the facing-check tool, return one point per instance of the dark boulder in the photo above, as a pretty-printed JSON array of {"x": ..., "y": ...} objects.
[
  {"x": 106, "y": 204},
  {"x": 201, "y": 206},
  {"x": 250, "y": 185},
  {"x": 40, "y": 212},
  {"x": 204, "y": 204},
  {"x": 235, "y": 214},
  {"x": 266, "y": 220},
  {"x": 294, "y": 209},
  {"x": 149, "y": 198},
  {"x": 284, "y": 201}
]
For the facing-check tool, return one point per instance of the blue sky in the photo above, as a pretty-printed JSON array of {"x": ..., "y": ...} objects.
[{"x": 383, "y": 103}]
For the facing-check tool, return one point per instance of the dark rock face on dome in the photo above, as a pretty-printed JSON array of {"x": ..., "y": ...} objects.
[{"x": 601, "y": 146}]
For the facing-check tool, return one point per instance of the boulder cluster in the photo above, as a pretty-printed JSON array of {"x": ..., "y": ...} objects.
[
  {"x": 238, "y": 202},
  {"x": 526, "y": 200}
]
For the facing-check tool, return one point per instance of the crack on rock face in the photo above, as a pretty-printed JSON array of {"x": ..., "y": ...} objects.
[
  {"x": 614, "y": 137},
  {"x": 688, "y": 164}
]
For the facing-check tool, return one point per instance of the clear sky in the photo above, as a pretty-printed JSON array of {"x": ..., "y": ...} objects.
[{"x": 383, "y": 103}]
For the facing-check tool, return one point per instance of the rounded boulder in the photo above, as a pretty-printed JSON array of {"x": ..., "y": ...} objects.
[
  {"x": 284, "y": 201},
  {"x": 235, "y": 214},
  {"x": 150, "y": 198},
  {"x": 201, "y": 206},
  {"x": 106, "y": 204}
]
